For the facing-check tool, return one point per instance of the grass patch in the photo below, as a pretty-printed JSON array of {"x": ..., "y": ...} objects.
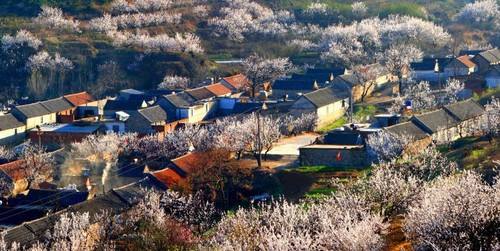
[
  {"x": 364, "y": 112},
  {"x": 335, "y": 124},
  {"x": 319, "y": 193}
]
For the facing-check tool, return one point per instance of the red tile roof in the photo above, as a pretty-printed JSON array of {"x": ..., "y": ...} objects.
[
  {"x": 218, "y": 89},
  {"x": 13, "y": 169},
  {"x": 167, "y": 176},
  {"x": 80, "y": 98},
  {"x": 238, "y": 81},
  {"x": 466, "y": 60},
  {"x": 189, "y": 162}
]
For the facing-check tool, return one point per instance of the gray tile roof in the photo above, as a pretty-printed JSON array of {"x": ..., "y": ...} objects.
[
  {"x": 294, "y": 84},
  {"x": 465, "y": 110},
  {"x": 200, "y": 93},
  {"x": 20, "y": 234},
  {"x": 407, "y": 129},
  {"x": 154, "y": 114},
  {"x": 325, "y": 96},
  {"x": 492, "y": 56},
  {"x": 436, "y": 120},
  {"x": 8, "y": 121},
  {"x": 180, "y": 100},
  {"x": 57, "y": 105},
  {"x": 352, "y": 79},
  {"x": 123, "y": 105},
  {"x": 33, "y": 110}
]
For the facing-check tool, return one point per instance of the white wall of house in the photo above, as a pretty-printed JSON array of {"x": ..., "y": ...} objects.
[
  {"x": 326, "y": 114},
  {"x": 10, "y": 136},
  {"x": 42, "y": 120}
]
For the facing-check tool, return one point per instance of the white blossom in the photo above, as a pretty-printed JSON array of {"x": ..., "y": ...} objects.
[
  {"x": 43, "y": 60},
  {"x": 124, "y": 6},
  {"x": 174, "y": 82},
  {"x": 459, "y": 212},
  {"x": 54, "y": 18},
  {"x": 480, "y": 11},
  {"x": 451, "y": 91},
  {"x": 385, "y": 146},
  {"x": 359, "y": 9},
  {"x": 22, "y": 37},
  {"x": 241, "y": 18},
  {"x": 260, "y": 70}
]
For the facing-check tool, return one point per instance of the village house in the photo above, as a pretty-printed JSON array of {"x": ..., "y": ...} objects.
[
  {"x": 148, "y": 121},
  {"x": 59, "y": 134},
  {"x": 441, "y": 125},
  {"x": 236, "y": 83},
  {"x": 117, "y": 105},
  {"x": 285, "y": 89},
  {"x": 86, "y": 105},
  {"x": 492, "y": 76},
  {"x": 11, "y": 130},
  {"x": 469, "y": 113},
  {"x": 63, "y": 109},
  {"x": 418, "y": 138},
  {"x": 184, "y": 106},
  {"x": 486, "y": 59},
  {"x": 33, "y": 115},
  {"x": 460, "y": 66},
  {"x": 326, "y": 103},
  {"x": 167, "y": 177},
  {"x": 430, "y": 69}
]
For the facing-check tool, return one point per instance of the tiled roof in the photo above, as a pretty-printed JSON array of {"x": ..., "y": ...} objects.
[
  {"x": 318, "y": 77},
  {"x": 80, "y": 98},
  {"x": 167, "y": 176},
  {"x": 200, "y": 93},
  {"x": 189, "y": 162},
  {"x": 49, "y": 198},
  {"x": 180, "y": 100},
  {"x": 492, "y": 56},
  {"x": 123, "y": 105},
  {"x": 238, "y": 81},
  {"x": 13, "y": 169},
  {"x": 465, "y": 110},
  {"x": 436, "y": 120},
  {"x": 428, "y": 64},
  {"x": 352, "y": 79},
  {"x": 323, "y": 97},
  {"x": 8, "y": 121},
  {"x": 33, "y": 110},
  {"x": 154, "y": 114},
  {"x": 407, "y": 129},
  {"x": 218, "y": 89},
  {"x": 57, "y": 105},
  {"x": 466, "y": 60},
  {"x": 296, "y": 85},
  {"x": 335, "y": 71}
]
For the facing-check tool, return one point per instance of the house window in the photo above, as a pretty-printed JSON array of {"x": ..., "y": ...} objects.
[
  {"x": 41, "y": 120},
  {"x": 343, "y": 103},
  {"x": 15, "y": 131},
  {"x": 190, "y": 113}
]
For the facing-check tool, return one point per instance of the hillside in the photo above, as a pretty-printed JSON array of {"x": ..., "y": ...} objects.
[{"x": 102, "y": 67}]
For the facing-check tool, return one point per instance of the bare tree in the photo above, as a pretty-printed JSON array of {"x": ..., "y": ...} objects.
[
  {"x": 37, "y": 166},
  {"x": 261, "y": 70},
  {"x": 397, "y": 60},
  {"x": 367, "y": 76}
]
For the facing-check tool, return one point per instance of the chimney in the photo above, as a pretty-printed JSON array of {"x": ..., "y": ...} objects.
[{"x": 436, "y": 67}]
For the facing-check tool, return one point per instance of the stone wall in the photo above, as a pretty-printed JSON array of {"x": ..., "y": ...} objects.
[{"x": 322, "y": 155}]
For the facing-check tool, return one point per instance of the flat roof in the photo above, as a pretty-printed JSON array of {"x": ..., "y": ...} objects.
[{"x": 68, "y": 128}]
